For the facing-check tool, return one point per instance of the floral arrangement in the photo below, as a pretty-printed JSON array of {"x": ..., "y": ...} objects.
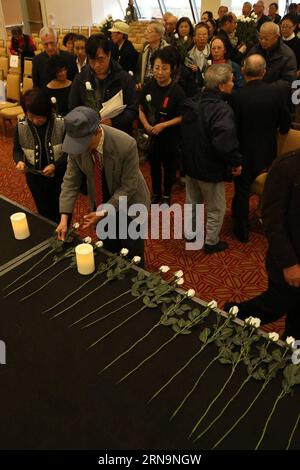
[
  {"x": 246, "y": 30},
  {"x": 105, "y": 25}
]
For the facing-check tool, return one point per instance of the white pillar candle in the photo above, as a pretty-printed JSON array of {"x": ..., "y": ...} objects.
[
  {"x": 20, "y": 225},
  {"x": 85, "y": 258}
]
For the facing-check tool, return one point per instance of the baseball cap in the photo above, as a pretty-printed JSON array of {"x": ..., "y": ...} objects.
[
  {"x": 81, "y": 123},
  {"x": 119, "y": 27}
]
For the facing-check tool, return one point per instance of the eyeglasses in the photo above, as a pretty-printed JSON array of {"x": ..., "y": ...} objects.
[{"x": 99, "y": 60}]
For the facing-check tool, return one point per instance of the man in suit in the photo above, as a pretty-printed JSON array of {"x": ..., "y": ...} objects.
[
  {"x": 259, "y": 8},
  {"x": 109, "y": 160},
  {"x": 227, "y": 27},
  {"x": 123, "y": 51},
  {"x": 260, "y": 112},
  {"x": 40, "y": 76}
]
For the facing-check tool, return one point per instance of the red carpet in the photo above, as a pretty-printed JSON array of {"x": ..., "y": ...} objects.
[{"x": 236, "y": 274}]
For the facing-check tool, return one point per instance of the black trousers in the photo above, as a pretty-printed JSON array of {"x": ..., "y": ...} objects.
[
  {"x": 279, "y": 299},
  {"x": 240, "y": 201},
  {"x": 162, "y": 158},
  {"x": 45, "y": 192}
]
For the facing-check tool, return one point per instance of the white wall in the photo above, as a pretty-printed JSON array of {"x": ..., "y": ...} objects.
[
  {"x": 211, "y": 5},
  {"x": 68, "y": 13},
  {"x": 101, "y": 9}
]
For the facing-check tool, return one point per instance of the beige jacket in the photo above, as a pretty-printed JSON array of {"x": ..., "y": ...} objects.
[{"x": 121, "y": 165}]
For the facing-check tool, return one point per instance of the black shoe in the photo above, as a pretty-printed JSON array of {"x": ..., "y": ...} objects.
[
  {"x": 241, "y": 231},
  {"x": 166, "y": 200},
  {"x": 210, "y": 249},
  {"x": 155, "y": 199}
]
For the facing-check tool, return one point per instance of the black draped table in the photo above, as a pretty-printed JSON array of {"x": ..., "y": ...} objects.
[
  {"x": 13, "y": 251},
  {"x": 52, "y": 396}
]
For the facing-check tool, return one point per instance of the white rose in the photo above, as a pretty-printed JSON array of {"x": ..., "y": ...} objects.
[
  {"x": 164, "y": 269},
  {"x": 124, "y": 252},
  {"x": 179, "y": 281},
  {"x": 273, "y": 336},
  {"x": 248, "y": 20},
  {"x": 148, "y": 98},
  {"x": 128, "y": 13},
  {"x": 190, "y": 293},
  {"x": 208, "y": 62},
  {"x": 87, "y": 240},
  {"x": 99, "y": 244},
  {"x": 176, "y": 36},
  {"x": 249, "y": 320},
  {"x": 76, "y": 225},
  {"x": 130, "y": 73},
  {"x": 185, "y": 38},
  {"x": 234, "y": 311},
  {"x": 212, "y": 304},
  {"x": 256, "y": 322},
  {"x": 88, "y": 86},
  {"x": 178, "y": 273},
  {"x": 109, "y": 17},
  {"x": 53, "y": 100},
  {"x": 290, "y": 341},
  {"x": 136, "y": 259}
]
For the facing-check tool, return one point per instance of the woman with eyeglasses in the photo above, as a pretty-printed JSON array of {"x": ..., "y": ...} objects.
[
  {"x": 218, "y": 52},
  {"x": 287, "y": 27}
]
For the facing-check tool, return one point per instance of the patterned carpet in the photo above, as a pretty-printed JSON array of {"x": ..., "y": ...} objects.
[{"x": 236, "y": 274}]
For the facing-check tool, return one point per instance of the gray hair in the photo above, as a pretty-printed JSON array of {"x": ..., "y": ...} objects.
[
  {"x": 254, "y": 66},
  {"x": 217, "y": 74},
  {"x": 159, "y": 27},
  {"x": 48, "y": 32},
  {"x": 270, "y": 27}
]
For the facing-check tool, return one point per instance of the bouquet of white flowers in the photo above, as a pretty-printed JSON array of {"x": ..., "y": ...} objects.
[
  {"x": 246, "y": 30},
  {"x": 105, "y": 25}
]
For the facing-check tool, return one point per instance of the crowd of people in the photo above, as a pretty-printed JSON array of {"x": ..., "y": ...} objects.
[{"x": 207, "y": 104}]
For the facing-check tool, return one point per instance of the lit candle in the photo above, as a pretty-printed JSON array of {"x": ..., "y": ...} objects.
[
  {"x": 20, "y": 225},
  {"x": 85, "y": 258}
]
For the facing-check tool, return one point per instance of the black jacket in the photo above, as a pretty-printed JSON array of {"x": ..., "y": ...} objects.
[
  {"x": 260, "y": 112},
  {"x": 210, "y": 143},
  {"x": 281, "y": 63},
  {"x": 116, "y": 80},
  {"x": 294, "y": 44},
  {"x": 261, "y": 21},
  {"x": 231, "y": 52},
  {"x": 127, "y": 56},
  {"x": 281, "y": 209},
  {"x": 40, "y": 75}
]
